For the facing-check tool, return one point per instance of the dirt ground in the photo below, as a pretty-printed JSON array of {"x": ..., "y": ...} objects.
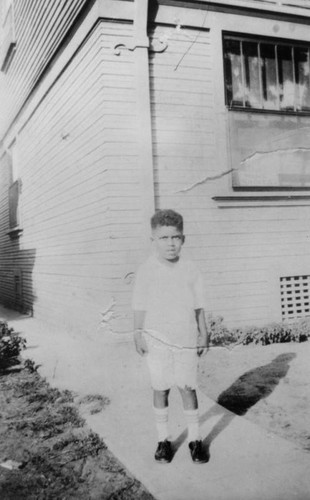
[
  {"x": 268, "y": 385},
  {"x": 47, "y": 452}
]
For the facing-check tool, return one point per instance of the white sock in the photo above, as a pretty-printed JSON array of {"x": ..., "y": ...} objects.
[
  {"x": 192, "y": 419},
  {"x": 161, "y": 419}
]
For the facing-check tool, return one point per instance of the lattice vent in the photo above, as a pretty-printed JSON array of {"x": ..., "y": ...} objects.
[{"x": 295, "y": 293}]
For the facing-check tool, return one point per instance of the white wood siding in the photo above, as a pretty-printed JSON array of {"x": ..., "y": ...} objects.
[
  {"x": 81, "y": 207},
  {"x": 6, "y": 246},
  {"x": 40, "y": 27},
  {"x": 242, "y": 251}
]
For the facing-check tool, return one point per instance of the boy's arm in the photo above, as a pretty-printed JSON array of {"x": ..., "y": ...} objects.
[
  {"x": 138, "y": 321},
  {"x": 203, "y": 337}
]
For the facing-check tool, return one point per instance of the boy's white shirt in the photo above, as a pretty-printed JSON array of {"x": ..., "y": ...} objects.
[{"x": 169, "y": 294}]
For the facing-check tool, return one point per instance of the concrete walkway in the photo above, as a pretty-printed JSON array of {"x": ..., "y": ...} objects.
[{"x": 246, "y": 462}]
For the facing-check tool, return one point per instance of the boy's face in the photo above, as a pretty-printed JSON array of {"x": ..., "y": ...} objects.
[{"x": 168, "y": 241}]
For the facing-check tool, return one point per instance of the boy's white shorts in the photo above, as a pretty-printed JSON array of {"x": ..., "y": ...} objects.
[{"x": 170, "y": 366}]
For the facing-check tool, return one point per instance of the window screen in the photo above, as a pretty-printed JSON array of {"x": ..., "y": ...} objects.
[{"x": 267, "y": 75}]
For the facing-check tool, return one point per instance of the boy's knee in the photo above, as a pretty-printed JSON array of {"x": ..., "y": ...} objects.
[
  {"x": 161, "y": 398},
  {"x": 189, "y": 397},
  {"x": 187, "y": 389},
  {"x": 164, "y": 392}
]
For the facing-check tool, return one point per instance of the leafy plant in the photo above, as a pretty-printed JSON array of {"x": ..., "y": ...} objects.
[
  {"x": 221, "y": 335},
  {"x": 11, "y": 344},
  {"x": 30, "y": 365},
  {"x": 5, "y": 331}
]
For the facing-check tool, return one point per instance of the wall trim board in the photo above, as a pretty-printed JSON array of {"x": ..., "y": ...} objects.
[
  {"x": 241, "y": 8},
  {"x": 287, "y": 200}
]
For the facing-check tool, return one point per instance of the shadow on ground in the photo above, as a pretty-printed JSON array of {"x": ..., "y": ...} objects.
[
  {"x": 255, "y": 385},
  {"x": 244, "y": 393}
]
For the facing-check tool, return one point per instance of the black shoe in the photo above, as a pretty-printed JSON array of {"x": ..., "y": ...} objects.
[
  {"x": 198, "y": 453},
  {"x": 164, "y": 452}
]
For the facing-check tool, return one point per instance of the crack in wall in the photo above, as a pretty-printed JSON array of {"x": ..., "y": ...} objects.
[
  {"x": 108, "y": 312},
  {"x": 258, "y": 154},
  {"x": 179, "y": 26},
  {"x": 152, "y": 334},
  {"x": 244, "y": 162},
  {"x": 205, "y": 180}
]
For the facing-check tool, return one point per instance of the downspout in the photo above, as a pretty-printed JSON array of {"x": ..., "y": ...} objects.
[
  {"x": 140, "y": 47},
  {"x": 144, "y": 117}
]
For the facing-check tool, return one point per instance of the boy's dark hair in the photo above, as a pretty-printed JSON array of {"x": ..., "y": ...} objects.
[{"x": 167, "y": 218}]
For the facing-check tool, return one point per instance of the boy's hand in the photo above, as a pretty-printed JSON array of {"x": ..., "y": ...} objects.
[{"x": 140, "y": 343}]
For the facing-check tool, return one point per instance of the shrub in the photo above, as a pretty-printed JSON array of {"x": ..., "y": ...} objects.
[
  {"x": 11, "y": 344},
  {"x": 220, "y": 334},
  {"x": 264, "y": 335}
]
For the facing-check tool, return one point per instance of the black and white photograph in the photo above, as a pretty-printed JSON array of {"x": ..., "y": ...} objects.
[{"x": 154, "y": 249}]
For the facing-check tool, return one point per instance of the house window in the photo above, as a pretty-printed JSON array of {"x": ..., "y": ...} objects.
[
  {"x": 267, "y": 90},
  {"x": 14, "y": 193},
  {"x": 266, "y": 74},
  {"x": 13, "y": 205}
]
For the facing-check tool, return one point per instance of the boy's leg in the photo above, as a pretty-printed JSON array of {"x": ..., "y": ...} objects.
[
  {"x": 191, "y": 412},
  {"x": 160, "y": 398},
  {"x": 159, "y": 364},
  {"x": 164, "y": 453},
  {"x": 160, "y": 405},
  {"x": 186, "y": 364},
  {"x": 190, "y": 404},
  {"x": 158, "y": 360}
]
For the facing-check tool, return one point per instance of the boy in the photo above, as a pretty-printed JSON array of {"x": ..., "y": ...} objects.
[{"x": 170, "y": 328}]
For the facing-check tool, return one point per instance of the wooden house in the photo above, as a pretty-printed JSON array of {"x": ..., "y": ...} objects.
[{"x": 111, "y": 109}]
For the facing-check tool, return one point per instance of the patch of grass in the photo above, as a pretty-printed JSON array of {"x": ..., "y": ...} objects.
[
  {"x": 41, "y": 478},
  {"x": 61, "y": 458},
  {"x": 37, "y": 389},
  {"x": 76, "y": 447},
  {"x": 93, "y": 403},
  {"x": 47, "y": 410},
  {"x": 49, "y": 421}
]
